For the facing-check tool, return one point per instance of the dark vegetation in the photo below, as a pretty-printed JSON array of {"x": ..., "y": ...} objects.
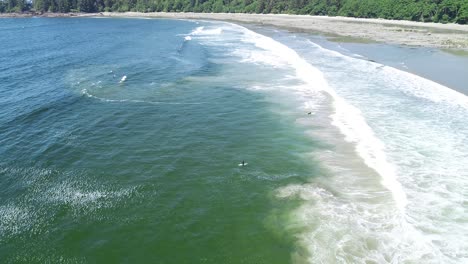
[{"x": 416, "y": 10}]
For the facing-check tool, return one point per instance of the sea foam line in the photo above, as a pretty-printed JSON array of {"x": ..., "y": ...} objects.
[
  {"x": 202, "y": 31},
  {"x": 347, "y": 118},
  {"x": 87, "y": 94}
]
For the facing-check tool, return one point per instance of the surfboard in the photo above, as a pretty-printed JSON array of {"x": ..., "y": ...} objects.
[{"x": 245, "y": 164}]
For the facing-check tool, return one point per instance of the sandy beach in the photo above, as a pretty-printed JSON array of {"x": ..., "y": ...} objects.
[{"x": 410, "y": 33}]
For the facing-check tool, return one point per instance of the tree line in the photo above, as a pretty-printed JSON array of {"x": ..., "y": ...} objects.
[{"x": 416, "y": 10}]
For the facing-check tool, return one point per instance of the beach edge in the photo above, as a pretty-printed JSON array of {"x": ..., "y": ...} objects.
[{"x": 399, "y": 32}]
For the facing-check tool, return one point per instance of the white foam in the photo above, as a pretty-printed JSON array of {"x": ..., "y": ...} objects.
[
  {"x": 14, "y": 220},
  {"x": 353, "y": 210},
  {"x": 29, "y": 213},
  {"x": 350, "y": 232},
  {"x": 355, "y": 128},
  {"x": 87, "y": 94},
  {"x": 367, "y": 224},
  {"x": 416, "y": 85},
  {"x": 347, "y": 118},
  {"x": 201, "y": 31},
  {"x": 79, "y": 195},
  {"x": 188, "y": 38},
  {"x": 197, "y": 30},
  {"x": 428, "y": 89},
  {"x": 423, "y": 126}
]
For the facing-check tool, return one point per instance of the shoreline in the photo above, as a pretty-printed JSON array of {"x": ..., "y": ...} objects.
[
  {"x": 46, "y": 14},
  {"x": 399, "y": 32},
  {"x": 433, "y": 35}
]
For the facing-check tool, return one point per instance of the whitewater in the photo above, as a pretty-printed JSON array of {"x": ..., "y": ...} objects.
[{"x": 397, "y": 189}]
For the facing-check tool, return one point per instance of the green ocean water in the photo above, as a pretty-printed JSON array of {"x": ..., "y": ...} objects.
[
  {"x": 144, "y": 171},
  {"x": 121, "y": 142}
]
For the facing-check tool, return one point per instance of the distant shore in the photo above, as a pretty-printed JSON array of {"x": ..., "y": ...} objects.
[
  {"x": 450, "y": 36},
  {"x": 46, "y": 14}
]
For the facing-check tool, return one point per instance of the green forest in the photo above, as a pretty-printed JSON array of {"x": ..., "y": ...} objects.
[{"x": 442, "y": 11}]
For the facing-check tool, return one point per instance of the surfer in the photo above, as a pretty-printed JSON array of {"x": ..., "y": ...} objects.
[{"x": 309, "y": 113}]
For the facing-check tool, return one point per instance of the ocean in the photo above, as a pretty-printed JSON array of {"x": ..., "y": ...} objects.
[{"x": 122, "y": 141}]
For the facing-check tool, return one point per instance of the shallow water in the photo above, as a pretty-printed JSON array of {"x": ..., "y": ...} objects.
[
  {"x": 444, "y": 67},
  {"x": 101, "y": 168}
]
